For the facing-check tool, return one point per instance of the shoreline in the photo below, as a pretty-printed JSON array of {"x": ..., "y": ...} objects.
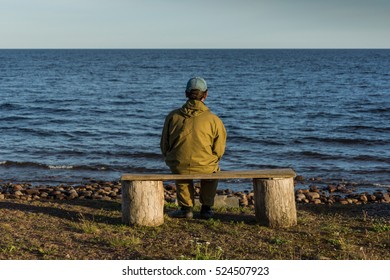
[{"x": 315, "y": 193}]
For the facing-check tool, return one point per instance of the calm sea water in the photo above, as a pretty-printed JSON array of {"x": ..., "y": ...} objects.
[{"x": 68, "y": 115}]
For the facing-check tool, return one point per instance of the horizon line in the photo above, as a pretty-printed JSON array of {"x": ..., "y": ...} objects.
[{"x": 212, "y": 48}]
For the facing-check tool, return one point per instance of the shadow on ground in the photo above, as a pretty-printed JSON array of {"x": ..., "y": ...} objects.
[
  {"x": 48, "y": 208},
  {"x": 354, "y": 211}
]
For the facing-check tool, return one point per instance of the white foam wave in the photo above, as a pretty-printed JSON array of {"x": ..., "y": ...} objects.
[{"x": 60, "y": 167}]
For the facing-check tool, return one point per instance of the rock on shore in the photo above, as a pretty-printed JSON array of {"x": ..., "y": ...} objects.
[
  {"x": 313, "y": 194},
  {"x": 98, "y": 190}
]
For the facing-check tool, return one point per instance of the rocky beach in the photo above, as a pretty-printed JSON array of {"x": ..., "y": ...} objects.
[{"x": 310, "y": 191}]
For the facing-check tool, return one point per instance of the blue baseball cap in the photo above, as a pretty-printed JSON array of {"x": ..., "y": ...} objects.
[{"x": 196, "y": 83}]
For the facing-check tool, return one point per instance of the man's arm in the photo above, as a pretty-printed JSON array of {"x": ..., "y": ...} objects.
[
  {"x": 164, "y": 141},
  {"x": 220, "y": 140}
]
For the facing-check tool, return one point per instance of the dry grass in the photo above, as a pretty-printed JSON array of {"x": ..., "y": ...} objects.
[{"x": 88, "y": 229}]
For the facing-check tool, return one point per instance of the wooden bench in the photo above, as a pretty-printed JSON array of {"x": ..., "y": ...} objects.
[{"x": 143, "y": 195}]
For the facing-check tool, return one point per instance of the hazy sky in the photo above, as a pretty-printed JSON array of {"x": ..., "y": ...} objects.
[{"x": 194, "y": 24}]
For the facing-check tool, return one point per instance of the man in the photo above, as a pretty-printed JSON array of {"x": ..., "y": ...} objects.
[{"x": 193, "y": 141}]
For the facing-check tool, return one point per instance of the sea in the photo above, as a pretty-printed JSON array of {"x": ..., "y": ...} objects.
[{"x": 72, "y": 115}]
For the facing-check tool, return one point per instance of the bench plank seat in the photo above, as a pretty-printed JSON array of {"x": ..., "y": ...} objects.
[{"x": 244, "y": 174}]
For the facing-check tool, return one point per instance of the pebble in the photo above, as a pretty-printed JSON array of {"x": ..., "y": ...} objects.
[
  {"x": 343, "y": 201},
  {"x": 299, "y": 178},
  {"x": 18, "y": 193},
  {"x": 332, "y": 188},
  {"x": 371, "y": 198},
  {"x": 363, "y": 198},
  {"x": 300, "y": 197},
  {"x": 17, "y": 187},
  {"x": 317, "y": 201},
  {"x": 312, "y": 195},
  {"x": 32, "y": 191},
  {"x": 243, "y": 201}
]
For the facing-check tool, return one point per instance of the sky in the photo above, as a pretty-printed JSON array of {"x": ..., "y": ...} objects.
[{"x": 194, "y": 24}]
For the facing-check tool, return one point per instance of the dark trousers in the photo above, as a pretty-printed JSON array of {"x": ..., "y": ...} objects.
[{"x": 186, "y": 192}]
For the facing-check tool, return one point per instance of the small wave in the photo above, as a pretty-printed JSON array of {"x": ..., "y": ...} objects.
[
  {"x": 377, "y": 171},
  {"x": 348, "y": 141},
  {"x": 381, "y": 185},
  {"x": 145, "y": 155},
  {"x": 58, "y": 111},
  {"x": 9, "y": 106},
  {"x": 92, "y": 167},
  {"x": 37, "y": 131},
  {"x": 316, "y": 155},
  {"x": 68, "y": 153},
  {"x": 8, "y": 163},
  {"x": 148, "y": 67},
  {"x": 114, "y": 80},
  {"x": 60, "y": 166},
  {"x": 374, "y": 110},
  {"x": 365, "y": 127},
  {"x": 245, "y": 140},
  {"x": 14, "y": 118},
  {"x": 83, "y": 133},
  {"x": 370, "y": 158}
]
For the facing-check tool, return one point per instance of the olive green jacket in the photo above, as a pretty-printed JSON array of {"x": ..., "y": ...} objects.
[{"x": 193, "y": 139}]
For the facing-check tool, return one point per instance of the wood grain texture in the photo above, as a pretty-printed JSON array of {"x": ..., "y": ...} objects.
[
  {"x": 143, "y": 203},
  {"x": 275, "y": 202},
  {"x": 262, "y": 173}
]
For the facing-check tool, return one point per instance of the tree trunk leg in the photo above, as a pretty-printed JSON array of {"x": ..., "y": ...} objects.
[
  {"x": 143, "y": 203},
  {"x": 275, "y": 202}
]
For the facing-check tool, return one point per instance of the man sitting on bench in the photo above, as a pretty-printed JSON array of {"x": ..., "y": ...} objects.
[{"x": 193, "y": 141}]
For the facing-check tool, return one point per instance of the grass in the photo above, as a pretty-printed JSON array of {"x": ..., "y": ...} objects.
[
  {"x": 203, "y": 251},
  {"x": 381, "y": 226},
  {"x": 92, "y": 229}
]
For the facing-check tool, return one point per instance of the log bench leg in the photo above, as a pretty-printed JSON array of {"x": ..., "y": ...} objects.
[
  {"x": 275, "y": 202},
  {"x": 143, "y": 203}
]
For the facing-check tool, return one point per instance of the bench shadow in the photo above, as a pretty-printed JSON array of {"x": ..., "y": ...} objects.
[
  {"x": 226, "y": 218},
  {"x": 237, "y": 218},
  {"x": 108, "y": 205},
  {"x": 67, "y": 214},
  {"x": 349, "y": 210}
]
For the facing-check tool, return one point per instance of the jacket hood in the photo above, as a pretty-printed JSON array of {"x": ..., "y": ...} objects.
[{"x": 193, "y": 108}]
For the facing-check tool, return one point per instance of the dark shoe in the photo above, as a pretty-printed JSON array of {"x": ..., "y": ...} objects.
[
  {"x": 206, "y": 212},
  {"x": 184, "y": 212}
]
